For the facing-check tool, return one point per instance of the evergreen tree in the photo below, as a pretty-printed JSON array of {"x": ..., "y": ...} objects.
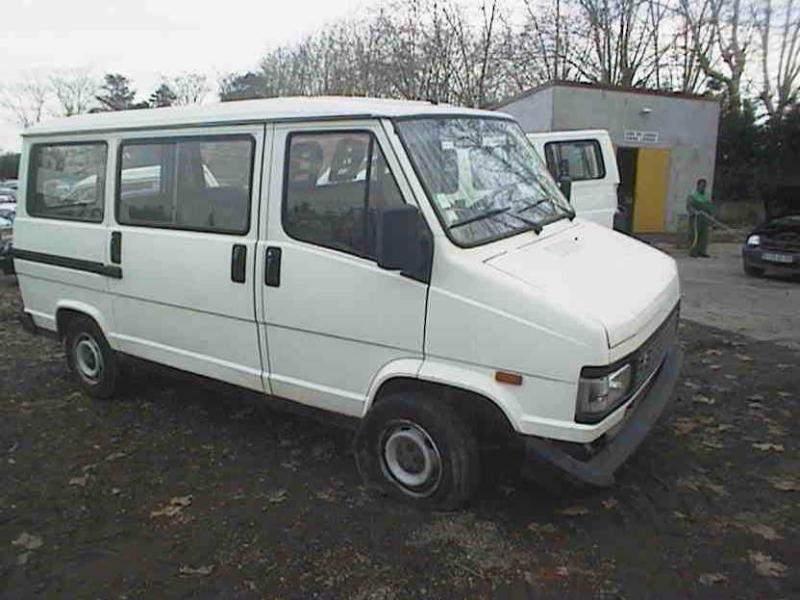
[
  {"x": 163, "y": 96},
  {"x": 116, "y": 93}
]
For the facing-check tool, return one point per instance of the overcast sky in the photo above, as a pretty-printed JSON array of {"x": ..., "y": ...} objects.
[{"x": 145, "y": 39}]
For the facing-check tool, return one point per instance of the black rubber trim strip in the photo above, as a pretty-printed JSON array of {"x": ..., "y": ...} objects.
[{"x": 67, "y": 262}]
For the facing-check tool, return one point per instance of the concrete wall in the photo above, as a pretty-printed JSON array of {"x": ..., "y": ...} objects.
[
  {"x": 534, "y": 112},
  {"x": 688, "y": 127}
]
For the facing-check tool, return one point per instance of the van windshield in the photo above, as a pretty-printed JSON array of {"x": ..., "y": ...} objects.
[{"x": 483, "y": 177}]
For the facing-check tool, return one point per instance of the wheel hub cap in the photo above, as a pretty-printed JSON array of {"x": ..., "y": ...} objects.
[
  {"x": 411, "y": 458},
  {"x": 88, "y": 358}
]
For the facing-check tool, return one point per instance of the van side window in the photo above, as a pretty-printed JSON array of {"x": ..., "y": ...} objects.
[
  {"x": 583, "y": 159},
  {"x": 335, "y": 186},
  {"x": 200, "y": 184},
  {"x": 67, "y": 181}
]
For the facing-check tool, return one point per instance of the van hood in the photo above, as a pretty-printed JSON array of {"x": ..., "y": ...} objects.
[{"x": 609, "y": 277}]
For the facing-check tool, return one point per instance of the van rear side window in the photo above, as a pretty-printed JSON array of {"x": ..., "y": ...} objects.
[
  {"x": 197, "y": 184},
  {"x": 67, "y": 181},
  {"x": 582, "y": 159}
]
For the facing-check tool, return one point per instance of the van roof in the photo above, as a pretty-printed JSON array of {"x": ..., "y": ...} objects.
[{"x": 251, "y": 111}]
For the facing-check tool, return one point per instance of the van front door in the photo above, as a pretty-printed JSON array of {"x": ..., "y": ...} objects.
[
  {"x": 185, "y": 236},
  {"x": 332, "y": 318}
]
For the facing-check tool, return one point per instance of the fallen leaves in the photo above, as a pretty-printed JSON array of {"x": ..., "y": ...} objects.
[
  {"x": 80, "y": 481},
  {"x": 768, "y": 447},
  {"x": 713, "y": 444},
  {"x": 698, "y": 483},
  {"x": 173, "y": 508},
  {"x": 542, "y": 528},
  {"x": 684, "y": 426},
  {"x": 700, "y": 398},
  {"x": 29, "y": 543},
  {"x": 766, "y": 566},
  {"x": 764, "y": 531},
  {"x": 712, "y": 578},
  {"x": 26, "y": 541},
  {"x": 277, "y": 496},
  {"x": 203, "y": 571},
  {"x": 785, "y": 484},
  {"x": 328, "y": 495},
  {"x": 574, "y": 511}
]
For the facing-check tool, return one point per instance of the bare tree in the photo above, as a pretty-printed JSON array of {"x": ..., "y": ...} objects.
[
  {"x": 75, "y": 91},
  {"x": 26, "y": 101},
  {"x": 781, "y": 79},
  {"x": 475, "y": 53},
  {"x": 189, "y": 88},
  {"x": 621, "y": 35},
  {"x": 544, "y": 42},
  {"x": 731, "y": 23},
  {"x": 691, "y": 45}
]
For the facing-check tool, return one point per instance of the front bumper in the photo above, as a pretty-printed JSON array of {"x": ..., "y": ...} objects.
[
  {"x": 599, "y": 468},
  {"x": 753, "y": 256}
]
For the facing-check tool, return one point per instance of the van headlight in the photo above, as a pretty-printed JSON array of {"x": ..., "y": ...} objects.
[
  {"x": 754, "y": 240},
  {"x": 599, "y": 394}
]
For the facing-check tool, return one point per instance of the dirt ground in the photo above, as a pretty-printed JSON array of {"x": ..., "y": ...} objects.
[
  {"x": 717, "y": 292},
  {"x": 175, "y": 490}
]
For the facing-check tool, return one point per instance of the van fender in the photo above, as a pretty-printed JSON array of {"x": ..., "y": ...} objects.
[
  {"x": 470, "y": 378},
  {"x": 407, "y": 368},
  {"x": 90, "y": 311}
]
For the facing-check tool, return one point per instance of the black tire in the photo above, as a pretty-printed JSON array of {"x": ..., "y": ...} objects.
[
  {"x": 416, "y": 420},
  {"x": 752, "y": 271},
  {"x": 90, "y": 358}
]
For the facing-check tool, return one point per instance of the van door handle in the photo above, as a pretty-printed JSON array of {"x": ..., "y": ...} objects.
[
  {"x": 238, "y": 263},
  {"x": 116, "y": 247},
  {"x": 272, "y": 269}
]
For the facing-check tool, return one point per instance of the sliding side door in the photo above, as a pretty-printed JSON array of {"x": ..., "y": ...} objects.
[{"x": 186, "y": 227}]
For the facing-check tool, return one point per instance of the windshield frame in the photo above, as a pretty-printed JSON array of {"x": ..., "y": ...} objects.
[{"x": 446, "y": 227}]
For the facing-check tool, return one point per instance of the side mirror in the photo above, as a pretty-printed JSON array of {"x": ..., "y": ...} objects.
[{"x": 403, "y": 243}]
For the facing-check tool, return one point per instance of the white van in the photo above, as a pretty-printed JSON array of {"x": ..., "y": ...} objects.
[
  {"x": 588, "y": 160},
  {"x": 322, "y": 251}
]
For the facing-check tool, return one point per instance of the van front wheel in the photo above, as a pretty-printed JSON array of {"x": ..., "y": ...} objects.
[
  {"x": 418, "y": 449},
  {"x": 90, "y": 357}
]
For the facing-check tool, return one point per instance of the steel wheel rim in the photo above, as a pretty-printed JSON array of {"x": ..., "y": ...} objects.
[
  {"x": 411, "y": 458},
  {"x": 88, "y": 358}
]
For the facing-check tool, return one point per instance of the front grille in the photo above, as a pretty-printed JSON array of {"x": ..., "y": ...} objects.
[
  {"x": 648, "y": 358},
  {"x": 786, "y": 242}
]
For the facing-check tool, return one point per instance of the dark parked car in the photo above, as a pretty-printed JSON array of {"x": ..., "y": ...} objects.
[
  {"x": 7, "y": 216},
  {"x": 7, "y": 195},
  {"x": 775, "y": 244},
  {"x": 6, "y": 259}
]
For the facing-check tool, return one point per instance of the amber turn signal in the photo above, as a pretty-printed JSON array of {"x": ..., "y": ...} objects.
[{"x": 506, "y": 377}]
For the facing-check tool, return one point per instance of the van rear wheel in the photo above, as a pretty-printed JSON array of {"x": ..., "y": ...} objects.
[
  {"x": 418, "y": 450},
  {"x": 90, "y": 357}
]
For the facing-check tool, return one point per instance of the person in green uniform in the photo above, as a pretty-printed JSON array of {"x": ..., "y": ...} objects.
[{"x": 700, "y": 207}]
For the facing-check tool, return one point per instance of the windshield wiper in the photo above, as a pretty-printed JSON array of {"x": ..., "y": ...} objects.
[
  {"x": 480, "y": 217},
  {"x": 540, "y": 224}
]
